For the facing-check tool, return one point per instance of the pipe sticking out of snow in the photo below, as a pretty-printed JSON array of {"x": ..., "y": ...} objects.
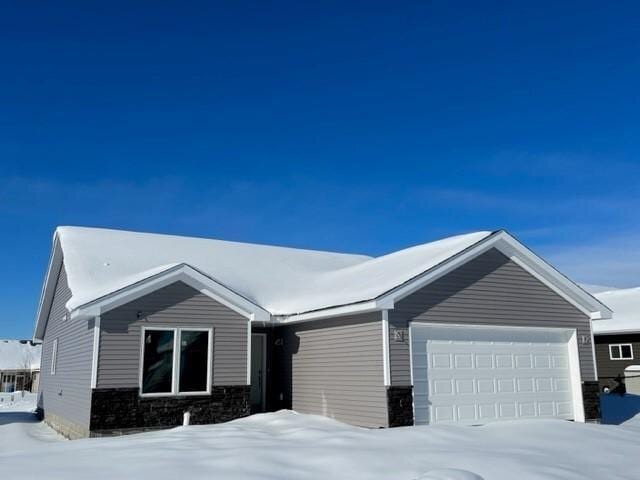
[{"x": 186, "y": 418}]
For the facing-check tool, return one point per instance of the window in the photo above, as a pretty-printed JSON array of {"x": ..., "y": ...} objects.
[
  {"x": 622, "y": 351},
  {"x": 54, "y": 356},
  {"x": 157, "y": 369},
  {"x": 176, "y": 361}
]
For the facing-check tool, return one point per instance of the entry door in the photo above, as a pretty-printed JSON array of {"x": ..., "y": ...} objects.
[
  {"x": 477, "y": 375},
  {"x": 258, "y": 355}
]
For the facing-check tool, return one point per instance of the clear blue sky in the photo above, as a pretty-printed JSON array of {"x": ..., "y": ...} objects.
[{"x": 361, "y": 127}]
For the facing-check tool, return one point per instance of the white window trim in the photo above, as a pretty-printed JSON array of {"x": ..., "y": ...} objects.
[
  {"x": 175, "y": 367},
  {"x": 54, "y": 356},
  {"x": 619, "y": 347}
]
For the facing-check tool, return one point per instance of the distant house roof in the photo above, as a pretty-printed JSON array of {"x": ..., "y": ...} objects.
[
  {"x": 105, "y": 264},
  {"x": 19, "y": 355},
  {"x": 625, "y": 304}
]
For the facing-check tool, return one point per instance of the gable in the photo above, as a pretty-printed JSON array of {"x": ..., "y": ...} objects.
[
  {"x": 497, "y": 287},
  {"x": 61, "y": 295},
  {"x": 490, "y": 289}
]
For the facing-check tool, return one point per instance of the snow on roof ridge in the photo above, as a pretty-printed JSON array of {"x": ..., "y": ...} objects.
[
  {"x": 281, "y": 280},
  {"x": 61, "y": 228}
]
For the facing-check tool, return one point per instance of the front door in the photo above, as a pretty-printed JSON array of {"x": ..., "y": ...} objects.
[{"x": 258, "y": 350}]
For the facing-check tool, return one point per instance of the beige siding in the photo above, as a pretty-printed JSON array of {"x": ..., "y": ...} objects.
[
  {"x": 175, "y": 305},
  {"x": 335, "y": 368},
  {"x": 489, "y": 290},
  {"x": 66, "y": 396}
]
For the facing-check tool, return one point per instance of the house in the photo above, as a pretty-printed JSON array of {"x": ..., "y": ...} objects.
[
  {"x": 139, "y": 329},
  {"x": 617, "y": 341},
  {"x": 19, "y": 366}
]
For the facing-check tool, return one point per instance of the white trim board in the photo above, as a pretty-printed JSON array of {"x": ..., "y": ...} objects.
[
  {"x": 386, "y": 365},
  {"x": 96, "y": 352}
]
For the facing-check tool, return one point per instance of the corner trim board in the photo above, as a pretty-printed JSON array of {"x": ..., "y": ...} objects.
[
  {"x": 96, "y": 352},
  {"x": 385, "y": 349}
]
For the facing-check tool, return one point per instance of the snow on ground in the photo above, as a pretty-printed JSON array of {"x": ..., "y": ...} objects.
[
  {"x": 19, "y": 428},
  {"x": 285, "y": 445}
]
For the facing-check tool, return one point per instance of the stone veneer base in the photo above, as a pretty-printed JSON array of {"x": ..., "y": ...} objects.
[
  {"x": 117, "y": 411},
  {"x": 400, "y": 406},
  {"x": 591, "y": 401}
]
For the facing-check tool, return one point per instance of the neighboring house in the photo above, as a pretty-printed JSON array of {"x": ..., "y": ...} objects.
[
  {"x": 19, "y": 366},
  {"x": 140, "y": 328},
  {"x": 618, "y": 340}
]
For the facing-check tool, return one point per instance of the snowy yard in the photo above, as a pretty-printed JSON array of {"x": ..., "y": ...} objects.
[{"x": 286, "y": 445}]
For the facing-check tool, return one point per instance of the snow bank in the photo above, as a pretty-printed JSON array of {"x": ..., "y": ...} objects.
[
  {"x": 19, "y": 355},
  {"x": 285, "y": 445},
  {"x": 100, "y": 261},
  {"x": 625, "y": 304}
]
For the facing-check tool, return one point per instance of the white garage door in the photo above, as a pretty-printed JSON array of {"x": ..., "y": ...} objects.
[{"x": 475, "y": 375}]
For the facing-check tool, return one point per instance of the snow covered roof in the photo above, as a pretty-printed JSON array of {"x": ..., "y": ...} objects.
[
  {"x": 280, "y": 280},
  {"x": 625, "y": 304},
  {"x": 106, "y": 268},
  {"x": 593, "y": 289},
  {"x": 19, "y": 355}
]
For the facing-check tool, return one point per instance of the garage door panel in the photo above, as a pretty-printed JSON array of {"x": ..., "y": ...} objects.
[{"x": 488, "y": 376}]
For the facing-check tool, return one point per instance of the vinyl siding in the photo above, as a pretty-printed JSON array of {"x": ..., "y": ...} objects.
[
  {"x": 609, "y": 369},
  {"x": 334, "y": 368},
  {"x": 66, "y": 396},
  {"x": 488, "y": 290},
  {"x": 176, "y": 305}
]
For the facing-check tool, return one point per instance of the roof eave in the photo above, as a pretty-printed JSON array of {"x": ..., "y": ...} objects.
[
  {"x": 48, "y": 287},
  {"x": 178, "y": 273}
]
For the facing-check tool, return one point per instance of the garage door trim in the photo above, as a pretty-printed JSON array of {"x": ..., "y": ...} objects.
[{"x": 572, "y": 347}]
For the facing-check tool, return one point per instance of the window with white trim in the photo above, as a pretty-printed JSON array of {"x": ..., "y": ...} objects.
[
  {"x": 621, "y": 351},
  {"x": 54, "y": 356},
  {"x": 176, "y": 361}
]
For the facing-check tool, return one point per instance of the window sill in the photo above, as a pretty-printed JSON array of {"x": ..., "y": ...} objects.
[{"x": 179, "y": 394}]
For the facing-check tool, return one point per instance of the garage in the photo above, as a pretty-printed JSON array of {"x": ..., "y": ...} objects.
[{"x": 468, "y": 374}]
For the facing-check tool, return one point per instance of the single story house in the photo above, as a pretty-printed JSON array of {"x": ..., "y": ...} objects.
[
  {"x": 139, "y": 329},
  {"x": 617, "y": 341},
  {"x": 19, "y": 366}
]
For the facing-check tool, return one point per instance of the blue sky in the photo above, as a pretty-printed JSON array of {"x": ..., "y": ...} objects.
[{"x": 361, "y": 127}]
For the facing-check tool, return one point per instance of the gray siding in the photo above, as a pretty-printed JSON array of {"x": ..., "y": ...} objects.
[
  {"x": 609, "y": 369},
  {"x": 174, "y": 305},
  {"x": 66, "y": 396},
  {"x": 491, "y": 290},
  {"x": 335, "y": 368}
]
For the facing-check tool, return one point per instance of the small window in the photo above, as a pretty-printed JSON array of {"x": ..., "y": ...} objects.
[
  {"x": 54, "y": 356},
  {"x": 622, "y": 351},
  {"x": 175, "y": 361}
]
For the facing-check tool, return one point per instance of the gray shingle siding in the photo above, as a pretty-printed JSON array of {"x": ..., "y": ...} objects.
[
  {"x": 335, "y": 368},
  {"x": 66, "y": 396},
  {"x": 174, "y": 305},
  {"x": 490, "y": 289}
]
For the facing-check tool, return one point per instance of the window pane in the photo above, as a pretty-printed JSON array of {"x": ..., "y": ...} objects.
[
  {"x": 615, "y": 351},
  {"x": 194, "y": 348},
  {"x": 158, "y": 361},
  {"x": 626, "y": 351}
]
